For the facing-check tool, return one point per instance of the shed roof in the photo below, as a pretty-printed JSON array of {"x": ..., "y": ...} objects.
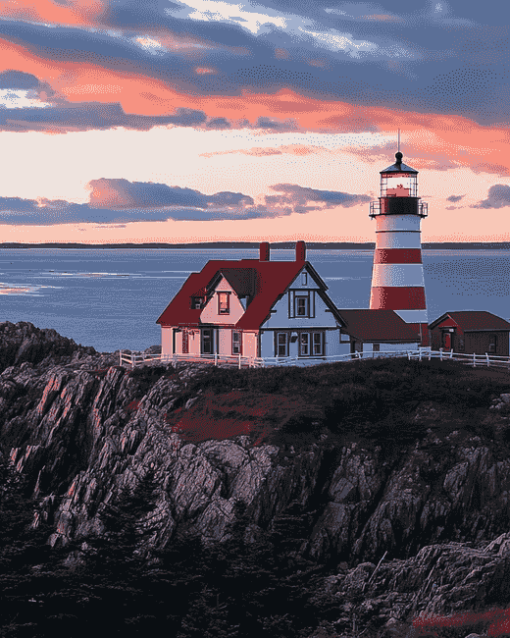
[
  {"x": 473, "y": 320},
  {"x": 265, "y": 281},
  {"x": 378, "y": 325}
]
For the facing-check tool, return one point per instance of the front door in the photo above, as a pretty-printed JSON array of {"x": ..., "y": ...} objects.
[
  {"x": 447, "y": 341},
  {"x": 207, "y": 341}
]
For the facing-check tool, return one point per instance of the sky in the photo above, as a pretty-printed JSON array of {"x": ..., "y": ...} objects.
[{"x": 216, "y": 120}]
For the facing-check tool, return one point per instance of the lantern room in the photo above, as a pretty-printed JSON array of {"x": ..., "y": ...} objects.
[
  {"x": 399, "y": 191},
  {"x": 399, "y": 180}
]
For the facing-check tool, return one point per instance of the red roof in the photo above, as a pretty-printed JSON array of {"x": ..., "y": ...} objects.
[
  {"x": 473, "y": 320},
  {"x": 266, "y": 280},
  {"x": 378, "y": 325}
]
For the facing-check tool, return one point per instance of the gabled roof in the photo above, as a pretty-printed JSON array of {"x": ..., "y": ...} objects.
[
  {"x": 473, "y": 320},
  {"x": 265, "y": 280},
  {"x": 378, "y": 325},
  {"x": 242, "y": 280}
]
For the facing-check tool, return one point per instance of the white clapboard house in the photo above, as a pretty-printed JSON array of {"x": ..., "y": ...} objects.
[
  {"x": 255, "y": 308},
  {"x": 258, "y": 308}
]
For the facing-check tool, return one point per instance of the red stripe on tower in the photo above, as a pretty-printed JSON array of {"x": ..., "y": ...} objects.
[
  {"x": 397, "y": 256},
  {"x": 397, "y": 280},
  {"x": 401, "y": 298}
]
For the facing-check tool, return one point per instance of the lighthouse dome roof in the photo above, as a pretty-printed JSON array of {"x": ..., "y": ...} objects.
[{"x": 399, "y": 166}]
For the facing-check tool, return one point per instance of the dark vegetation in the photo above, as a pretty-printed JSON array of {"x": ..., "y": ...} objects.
[
  {"x": 376, "y": 400},
  {"x": 258, "y": 583}
]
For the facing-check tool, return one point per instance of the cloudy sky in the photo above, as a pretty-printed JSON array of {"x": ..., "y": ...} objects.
[{"x": 159, "y": 120}]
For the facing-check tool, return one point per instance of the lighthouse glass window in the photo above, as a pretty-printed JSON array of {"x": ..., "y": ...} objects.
[{"x": 399, "y": 185}]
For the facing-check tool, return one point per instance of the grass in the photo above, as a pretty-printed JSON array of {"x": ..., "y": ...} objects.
[{"x": 378, "y": 399}]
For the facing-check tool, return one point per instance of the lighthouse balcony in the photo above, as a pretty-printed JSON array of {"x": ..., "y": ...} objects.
[{"x": 399, "y": 206}]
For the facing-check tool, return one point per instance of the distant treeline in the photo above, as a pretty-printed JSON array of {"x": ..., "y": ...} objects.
[{"x": 504, "y": 245}]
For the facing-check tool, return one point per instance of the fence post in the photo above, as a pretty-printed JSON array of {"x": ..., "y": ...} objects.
[
  {"x": 451, "y": 354},
  {"x": 215, "y": 358},
  {"x": 421, "y": 353},
  {"x": 239, "y": 361},
  {"x": 488, "y": 360},
  {"x": 474, "y": 359},
  {"x": 440, "y": 354}
]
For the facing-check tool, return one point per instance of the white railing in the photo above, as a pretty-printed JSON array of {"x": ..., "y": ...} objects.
[
  {"x": 135, "y": 359},
  {"x": 472, "y": 359},
  {"x": 351, "y": 356},
  {"x": 423, "y": 354},
  {"x": 239, "y": 361}
]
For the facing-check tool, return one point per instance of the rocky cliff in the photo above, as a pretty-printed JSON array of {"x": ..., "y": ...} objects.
[{"x": 428, "y": 493}]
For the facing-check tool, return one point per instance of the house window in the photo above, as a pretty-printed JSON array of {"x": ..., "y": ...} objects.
[
  {"x": 376, "y": 347},
  {"x": 311, "y": 344},
  {"x": 185, "y": 342},
  {"x": 301, "y": 306},
  {"x": 493, "y": 343},
  {"x": 301, "y": 303},
  {"x": 196, "y": 303},
  {"x": 223, "y": 303},
  {"x": 461, "y": 345},
  {"x": 282, "y": 344},
  {"x": 236, "y": 342},
  {"x": 318, "y": 343},
  {"x": 304, "y": 278},
  {"x": 304, "y": 344},
  {"x": 207, "y": 341}
]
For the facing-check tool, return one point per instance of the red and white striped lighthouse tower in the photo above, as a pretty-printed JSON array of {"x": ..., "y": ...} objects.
[{"x": 397, "y": 279}]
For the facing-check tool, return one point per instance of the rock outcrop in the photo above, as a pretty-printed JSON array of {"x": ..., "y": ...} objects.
[{"x": 437, "y": 509}]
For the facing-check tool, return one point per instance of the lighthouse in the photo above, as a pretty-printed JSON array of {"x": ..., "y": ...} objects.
[{"x": 397, "y": 278}]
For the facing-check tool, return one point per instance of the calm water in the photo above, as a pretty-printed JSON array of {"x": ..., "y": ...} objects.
[{"x": 110, "y": 299}]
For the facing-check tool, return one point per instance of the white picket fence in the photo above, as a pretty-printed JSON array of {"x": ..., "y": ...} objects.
[
  {"x": 136, "y": 359},
  {"x": 423, "y": 354},
  {"x": 471, "y": 359}
]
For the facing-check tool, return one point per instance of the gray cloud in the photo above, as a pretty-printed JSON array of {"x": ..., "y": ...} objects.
[
  {"x": 298, "y": 198},
  {"x": 123, "y": 194},
  {"x": 362, "y": 53},
  {"x": 454, "y": 198},
  {"x": 498, "y": 197},
  {"x": 122, "y": 201}
]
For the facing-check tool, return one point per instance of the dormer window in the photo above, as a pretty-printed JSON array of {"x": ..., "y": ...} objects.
[
  {"x": 223, "y": 303},
  {"x": 196, "y": 303},
  {"x": 304, "y": 278}
]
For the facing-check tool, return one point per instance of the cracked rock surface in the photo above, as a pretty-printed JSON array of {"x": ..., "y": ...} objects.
[{"x": 83, "y": 428}]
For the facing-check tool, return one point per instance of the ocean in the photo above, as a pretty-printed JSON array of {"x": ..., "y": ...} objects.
[{"x": 111, "y": 298}]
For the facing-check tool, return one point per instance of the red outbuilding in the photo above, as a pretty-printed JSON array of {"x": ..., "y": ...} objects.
[{"x": 471, "y": 331}]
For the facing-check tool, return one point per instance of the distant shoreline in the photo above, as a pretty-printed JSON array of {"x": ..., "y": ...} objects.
[{"x": 275, "y": 245}]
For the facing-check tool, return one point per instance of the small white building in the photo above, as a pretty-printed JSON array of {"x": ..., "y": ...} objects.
[
  {"x": 378, "y": 330},
  {"x": 254, "y": 308}
]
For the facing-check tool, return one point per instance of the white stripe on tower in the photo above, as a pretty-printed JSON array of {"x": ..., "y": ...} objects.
[
  {"x": 399, "y": 274},
  {"x": 402, "y": 239}
]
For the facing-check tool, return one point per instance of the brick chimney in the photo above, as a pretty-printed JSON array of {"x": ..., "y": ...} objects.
[
  {"x": 264, "y": 251},
  {"x": 300, "y": 251}
]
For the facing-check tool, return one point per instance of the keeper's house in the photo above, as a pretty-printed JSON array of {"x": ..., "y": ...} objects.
[
  {"x": 254, "y": 308},
  {"x": 471, "y": 331}
]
